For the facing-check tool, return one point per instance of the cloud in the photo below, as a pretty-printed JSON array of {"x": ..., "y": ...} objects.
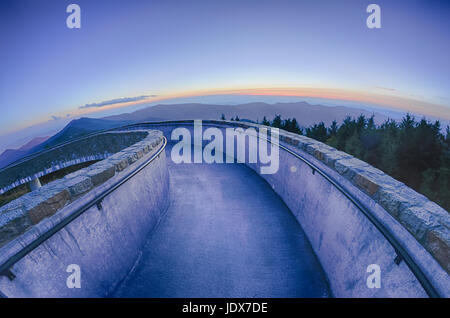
[
  {"x": 54, "y": 117},
  {"x": 117, "y": 101},
  {"x": 386, "y": 88}
]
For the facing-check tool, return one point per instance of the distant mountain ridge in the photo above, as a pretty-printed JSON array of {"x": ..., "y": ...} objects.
[
  {"x": 11, "y": 155},
  {"x": 306, "y": 114}
]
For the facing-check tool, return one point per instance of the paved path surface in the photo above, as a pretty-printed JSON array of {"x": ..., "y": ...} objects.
[{"x": 225, "y": 234}]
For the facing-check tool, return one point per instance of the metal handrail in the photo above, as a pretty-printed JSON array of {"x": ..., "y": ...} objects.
[
  {"x": 402, "y": 253},
  {"x": 5, "y": 267}
]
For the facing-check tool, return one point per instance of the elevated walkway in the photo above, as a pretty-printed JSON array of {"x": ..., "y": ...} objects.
[
  {"x": 139, "y": 225},
  {"x": 225, "y": 234}
]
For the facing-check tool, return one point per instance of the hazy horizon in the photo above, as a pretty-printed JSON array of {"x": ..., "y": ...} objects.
[{"x": 19, "y": 138}]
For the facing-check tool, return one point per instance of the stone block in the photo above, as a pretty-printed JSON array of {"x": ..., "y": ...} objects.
[
  {"x": 347, "y": 166},
  {"x": 366, "y": 183},
  {"x": 79, "y": 185},
  {"x": 438, "y": 244},
  {"x": 14, "y": 228},
  {"x": 47, "y": 207},
  {"x": 418, "y": 221},
  {"x": 312, "y": 148},
  {"x": 11, "y": 212},
  {"x": 101, "y": 175},
  {"x": 331, "y": 157},
  {"x": 390, "y": 200},
  {"x": 119, "y": 163}
]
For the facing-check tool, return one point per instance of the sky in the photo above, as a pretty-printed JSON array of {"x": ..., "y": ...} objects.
[{"x": 132, "y": 52}]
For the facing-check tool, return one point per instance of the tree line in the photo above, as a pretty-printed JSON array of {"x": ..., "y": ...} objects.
[{"x": 415, "y": 152}]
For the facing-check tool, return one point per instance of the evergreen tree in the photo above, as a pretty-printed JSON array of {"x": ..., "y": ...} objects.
[
  {"x": 354, "y": 146},
  {"x": 332, "y": 131},
  {"x": 318, "y": 132},
  {"x": 416, "y": 153},
  {"x": 277, "y": 122},
  {"x": 295, "y": 128}
]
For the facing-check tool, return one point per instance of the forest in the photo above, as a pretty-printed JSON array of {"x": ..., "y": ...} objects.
[{"x": 415, "y": 152}]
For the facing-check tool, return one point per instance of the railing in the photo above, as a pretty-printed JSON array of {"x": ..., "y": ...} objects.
[
  {"x": 402, "y": 253},
  {"x": 5, "y": 268}
]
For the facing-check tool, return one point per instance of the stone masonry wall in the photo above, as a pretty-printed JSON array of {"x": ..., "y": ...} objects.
[
  {"x": 425, "y": 220},
  {"x": 19, "y": 215},
  {"x": 91, "y": 148}
]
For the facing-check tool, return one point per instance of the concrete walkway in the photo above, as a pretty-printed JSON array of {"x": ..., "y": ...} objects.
[{"x": 225, "y": 234}]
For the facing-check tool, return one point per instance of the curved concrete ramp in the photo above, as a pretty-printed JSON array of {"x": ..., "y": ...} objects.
[
  {"x": 225, "y": 234},
  {"x": 230, "y": 230}
]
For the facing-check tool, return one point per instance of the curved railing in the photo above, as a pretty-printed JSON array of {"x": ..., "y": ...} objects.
[
  {"x": 5, "y": 268},
  {"x": 402, "y": 253}
]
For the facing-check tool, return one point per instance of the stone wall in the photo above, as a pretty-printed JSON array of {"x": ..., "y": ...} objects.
[
  {"x": 17, "y": 216},
  {"x": 425, "y": 220},
  {"x": 91, "y": 148},
  {"x": 105, "y": 240},
  {"x": 342, "y": 236}
]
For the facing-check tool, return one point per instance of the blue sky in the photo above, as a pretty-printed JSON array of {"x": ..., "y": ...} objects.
[{"x": 164, "y": 49}]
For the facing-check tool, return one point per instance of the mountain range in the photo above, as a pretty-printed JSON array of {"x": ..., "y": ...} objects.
[
  {"x": 305, "y": 113},
  {"x": 11, "y": 155}
]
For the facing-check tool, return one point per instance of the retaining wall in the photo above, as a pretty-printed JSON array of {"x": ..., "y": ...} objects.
[
  {"x": 105, "y": 241},
  {"x": 345, "y": 241}
]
